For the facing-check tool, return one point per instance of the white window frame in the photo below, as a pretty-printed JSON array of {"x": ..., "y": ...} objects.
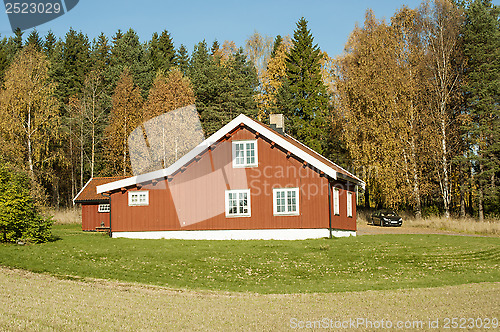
[
  {"x": 238, "y": 192},
  {"x": 245, "y": 164},
  {"x": 103, "y": 208},
  {"x": 336, "y": 202},
  {"x": 349, "y": 204},
  {"x": 137, "y": 193},
  {"x": 287, "y": 211}
]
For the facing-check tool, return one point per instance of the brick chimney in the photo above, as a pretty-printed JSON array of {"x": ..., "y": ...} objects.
[{"x": 277, "y": 122}]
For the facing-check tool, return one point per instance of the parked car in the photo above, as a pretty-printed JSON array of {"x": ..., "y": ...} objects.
[{"x": 386, "y": 218}]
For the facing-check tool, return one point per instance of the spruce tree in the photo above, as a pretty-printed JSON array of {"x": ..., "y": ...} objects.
[
  {"x": 162, "y": 51},
  {"x": 100, "y": 52},
  {"x": 17, "y": 42},
  {"x": 128, "y": 52},
  {"x": 222, "y": 91},
  {"x": 49, "y": 43},
  {"x": 277, "y": 43},
  {"x": 76, "y": 56},
  {"x": 481, "y": 37},
  {"x": 215, "y": 47},
  {"x": 34, "y": 40},
  {"x": 4, "y": 61},
  {"x": 167, "y": 51},
  {"x": 182, "y": 59},
  {"x": 302, "y": 97}
]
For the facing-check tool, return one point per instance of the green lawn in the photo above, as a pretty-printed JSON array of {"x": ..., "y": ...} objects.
[{"x": 338, "y": 265}]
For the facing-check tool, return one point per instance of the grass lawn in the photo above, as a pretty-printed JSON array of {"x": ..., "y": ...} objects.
[{"x": 378, "y": 262}]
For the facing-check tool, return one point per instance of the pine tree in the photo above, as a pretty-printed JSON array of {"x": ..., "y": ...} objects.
[
  {"x": 302, "y": 97},
  {"x": 481, "y": 38}
]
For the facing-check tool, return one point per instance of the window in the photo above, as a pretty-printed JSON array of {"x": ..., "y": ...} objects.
[
  {"x": 336, "y": 205},
  {"x": 103, "y": 208},
  {"x": 349, "y": 204},
  {"x": 286, "y": 201},
  {"x": 245, "y": 154},
  {"x": 138, "y": 198},
  {"x": 238, "y": 203}
]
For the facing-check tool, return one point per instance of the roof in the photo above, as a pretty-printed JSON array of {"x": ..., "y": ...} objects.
[
  {"x": 88, "y": 194},
  {"x": 285, "y": 141}
]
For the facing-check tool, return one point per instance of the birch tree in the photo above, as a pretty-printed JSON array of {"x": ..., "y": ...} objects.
[
  {"x": 441, "y": 32},
  {"x": 93, "y": 112},
  {"x": 29, "y": 115}
]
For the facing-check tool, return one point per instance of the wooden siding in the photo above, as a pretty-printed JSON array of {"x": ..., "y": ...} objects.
[
  {"x": 194, "y": 198},
  {"x": 92, "y": 218}
]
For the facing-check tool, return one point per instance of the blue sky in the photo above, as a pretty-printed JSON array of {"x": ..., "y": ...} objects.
[{"x": 189, "y": 22}]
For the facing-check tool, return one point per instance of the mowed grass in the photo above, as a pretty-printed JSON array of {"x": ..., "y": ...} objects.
[{"x": 379, "y": 262}]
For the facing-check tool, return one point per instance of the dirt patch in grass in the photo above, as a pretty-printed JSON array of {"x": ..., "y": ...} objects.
[{"x": 39, "y": 302}]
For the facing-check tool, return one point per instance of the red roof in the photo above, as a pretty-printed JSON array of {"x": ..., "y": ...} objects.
[{"x": 89, "y": 193}]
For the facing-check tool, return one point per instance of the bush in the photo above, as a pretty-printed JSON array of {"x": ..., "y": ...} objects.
[{"x": 20, "y": 218}]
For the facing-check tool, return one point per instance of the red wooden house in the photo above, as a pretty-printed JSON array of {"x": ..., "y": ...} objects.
[
  {"x": 246, "y": 181},
  {"x": 95, "y": 207}
]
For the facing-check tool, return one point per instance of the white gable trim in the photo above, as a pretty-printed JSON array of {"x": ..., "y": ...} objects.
[
  {"x": 262, "y": 130},
  {"x": 81, "y": 190}
]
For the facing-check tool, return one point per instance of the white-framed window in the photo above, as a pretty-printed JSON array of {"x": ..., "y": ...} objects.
[
  {"x": 238, "y": 203},
  {"x": 336, "y": 205},
  {"x": 349, "y": 204},
  {"x": 103, "y": 208},
  {"x": 286, "y": 201},
  {"x": 245, "y": 153},
  {"x": 138, "y": 198}
]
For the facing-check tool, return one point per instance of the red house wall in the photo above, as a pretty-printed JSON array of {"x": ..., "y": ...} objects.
[
  {"x": 194, "y": 199},
  {"x": 91, "y": 218}
]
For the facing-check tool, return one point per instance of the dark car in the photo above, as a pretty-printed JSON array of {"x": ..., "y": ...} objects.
[{"x": 386, "y": 218}]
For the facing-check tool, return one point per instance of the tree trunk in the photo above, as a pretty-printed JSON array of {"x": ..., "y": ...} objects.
[
  {"x": 444, "y": 164},
  {"x": 416, "y": 182},
  {"x": 30, "y": 153},
  {"x": 73, "y": 180},
  {"x": 463, "y": 212},
  {"x": 367, "y": 197},
  {"x": 480, "y": 200},
  {"x": 125, "y": 149},
  {"x": 480, "y": 203},
  {"x": 81, "y": 155},
  {"x": 93, "y": 152}
]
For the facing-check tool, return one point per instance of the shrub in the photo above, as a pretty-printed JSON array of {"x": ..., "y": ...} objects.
[{"x": 20, "y": 218}]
